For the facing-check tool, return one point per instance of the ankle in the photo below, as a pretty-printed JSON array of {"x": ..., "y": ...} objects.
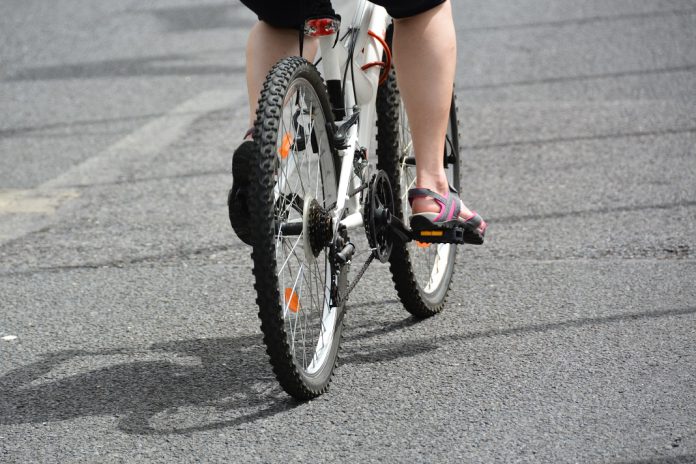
[
  {"x": 425, "y": 205},
  {"x": 437, "y": 186}
]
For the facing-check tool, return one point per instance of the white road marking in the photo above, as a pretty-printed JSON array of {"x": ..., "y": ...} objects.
[
  {"x": 25, "y": 211},
  {"x": 9, "y": 338},
  {"x": 33, "y": 201},
  {"x": 147, "y": 141}
]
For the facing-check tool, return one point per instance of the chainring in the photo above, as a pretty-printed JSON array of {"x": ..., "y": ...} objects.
[{"x": 377, "y": 212}]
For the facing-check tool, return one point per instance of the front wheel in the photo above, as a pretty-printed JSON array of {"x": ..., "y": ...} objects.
[
  {"x": 293, "y": 187},
  {"x": 421, "y": 272}
]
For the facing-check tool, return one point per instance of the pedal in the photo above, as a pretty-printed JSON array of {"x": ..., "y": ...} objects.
[
  {"x": 453, "y": 235},
  {"x": 444, "y": 235},
  {"x": 452, "y": 231}
]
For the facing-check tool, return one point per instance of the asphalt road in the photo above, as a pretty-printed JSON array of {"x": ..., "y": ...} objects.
[{"x": 128, "y": 328}]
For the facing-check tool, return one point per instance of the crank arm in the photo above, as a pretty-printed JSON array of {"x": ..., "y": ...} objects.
[{"x": 399, "y": 230}]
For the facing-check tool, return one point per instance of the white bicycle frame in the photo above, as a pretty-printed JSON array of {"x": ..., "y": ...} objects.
[{"x": 358, "y": 83}]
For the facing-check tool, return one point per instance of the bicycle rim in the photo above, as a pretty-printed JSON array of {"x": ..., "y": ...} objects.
[{"x": 310, "y": 322}]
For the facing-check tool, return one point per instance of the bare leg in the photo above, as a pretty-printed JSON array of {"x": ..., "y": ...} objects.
[
  {"x": 425, "y": 55},
  {"x": 265, "y": 46}
]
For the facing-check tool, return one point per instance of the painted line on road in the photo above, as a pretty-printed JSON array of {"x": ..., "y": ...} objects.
[
  {"x": 25, "y": 211},
  {"x": 33, "y": 201},
  {"x": 147, "y": 141}
]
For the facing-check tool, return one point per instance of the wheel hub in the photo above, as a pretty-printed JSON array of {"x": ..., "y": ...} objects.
[{"x": 318, "y": 227}]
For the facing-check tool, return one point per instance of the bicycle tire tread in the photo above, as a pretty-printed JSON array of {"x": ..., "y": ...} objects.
[
  {"x": 262, "y": 207},
  {"x": 400, "y": 263}
]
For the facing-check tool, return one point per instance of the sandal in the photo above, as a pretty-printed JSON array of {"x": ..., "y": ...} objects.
[
  {"x": 445, "y": 226},
  {"x": 237, "y": 205}
]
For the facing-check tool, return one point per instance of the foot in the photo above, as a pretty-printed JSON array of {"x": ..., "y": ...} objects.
[
  {"x": 434, "y": 211},
  {"x": 429, "y": 205}
]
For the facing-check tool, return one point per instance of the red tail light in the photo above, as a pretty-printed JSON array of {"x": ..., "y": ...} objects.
[{"x": 321, "y": 27}]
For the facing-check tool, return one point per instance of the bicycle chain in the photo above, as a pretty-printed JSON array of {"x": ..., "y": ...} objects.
[{"x": 357, "y": 278}]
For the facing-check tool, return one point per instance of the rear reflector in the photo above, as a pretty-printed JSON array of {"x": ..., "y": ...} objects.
[
  {"x": 285, "y": 145},
  {"x": 292, "y": 301}
]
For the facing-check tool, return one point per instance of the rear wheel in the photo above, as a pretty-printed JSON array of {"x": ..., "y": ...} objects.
[
  {"x": 292, "y": 187},
  {"x": 421, "y": 272}
]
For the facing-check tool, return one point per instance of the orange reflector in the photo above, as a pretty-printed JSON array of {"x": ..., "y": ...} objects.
[
  {"x": 432, "y": 233},
  {"x": 292, "y": 301},
  {"x": 422, "y": 244},
  {"x": 285, "y": 145}
]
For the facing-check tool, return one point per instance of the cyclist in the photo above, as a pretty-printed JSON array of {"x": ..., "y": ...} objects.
[{"x": 425, "y": 56}]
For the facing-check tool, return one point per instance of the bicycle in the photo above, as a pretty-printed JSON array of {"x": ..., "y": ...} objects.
[{"x": 312, "y": 185}]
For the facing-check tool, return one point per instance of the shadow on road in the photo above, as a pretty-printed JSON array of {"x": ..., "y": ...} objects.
[
  {"x": 175, "y": 387},
  {"x": 170, "y": 388},
  {"x": 206, "y": 384}
]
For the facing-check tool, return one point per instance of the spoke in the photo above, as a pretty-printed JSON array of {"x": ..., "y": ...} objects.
[
  {"x": 292, "y": 322},
  {"x": 292, "y": 252},
  {"x": 309, "y": 149},
  {"x": 316, "y": 284},
  {"x": 321, "y": 304},
  {"x": 407, "y": 149},
  {"x": 310, "y": 335},
  {"x": 404, "y": 195},
  {"x": 298, "y": 167},
  {"x": 308, "y": 159},
  {"x": 283, "y": 281},
  {"x": 284, "y": 175},
  {"x": 293, "y": 330},
  {"x": 318, "y": 153},
  {"x": 309, "y": 311},
  {"x": 294, "y": 151}
]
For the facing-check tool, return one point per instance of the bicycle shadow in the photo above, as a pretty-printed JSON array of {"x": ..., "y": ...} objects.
[
  {"x": 363, "y": 341},
  {"x": 176, "y": 387},
  {"x": 185, "y": 386}
]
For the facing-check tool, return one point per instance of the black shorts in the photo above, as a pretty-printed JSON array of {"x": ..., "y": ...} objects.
[{"x": 292, "y": 13}]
